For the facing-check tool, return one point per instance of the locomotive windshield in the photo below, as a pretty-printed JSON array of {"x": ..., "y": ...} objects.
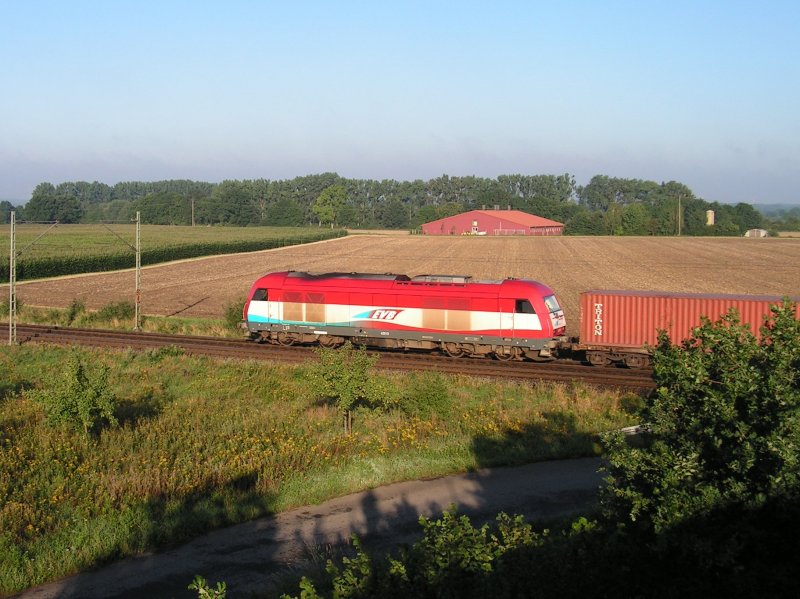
[{"x": 552, "y": 303}]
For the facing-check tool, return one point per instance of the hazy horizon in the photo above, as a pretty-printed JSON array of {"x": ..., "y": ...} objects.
[{"x": 703, "y": 93}]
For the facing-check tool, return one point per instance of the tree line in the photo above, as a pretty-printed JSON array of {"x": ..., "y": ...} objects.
[{"x": 605, "y": 206}]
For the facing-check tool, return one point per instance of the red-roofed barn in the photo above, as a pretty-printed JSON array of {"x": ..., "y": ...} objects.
[{"x": 493, "y": 222}]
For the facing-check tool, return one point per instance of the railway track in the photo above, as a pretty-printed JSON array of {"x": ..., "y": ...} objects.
[{"x": 560, "y": 371}]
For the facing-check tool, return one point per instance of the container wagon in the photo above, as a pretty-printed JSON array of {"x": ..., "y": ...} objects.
[
  {"x": 508, "y": 319},
  {"x": 618, "y": 326}
]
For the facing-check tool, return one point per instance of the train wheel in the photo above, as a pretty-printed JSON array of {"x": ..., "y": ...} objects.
[
  {"x": 454, "y": 350},
  {"x": 505, "y": 354},
  {"x": 636, "y": 361},
  {"x": 330, "y": 341},
  {"x": 286, "y": 339},
  {"x": 597, "y": 358}
]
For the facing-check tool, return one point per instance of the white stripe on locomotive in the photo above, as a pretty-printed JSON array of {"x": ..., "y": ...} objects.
[{"x": 413, "y": 318}]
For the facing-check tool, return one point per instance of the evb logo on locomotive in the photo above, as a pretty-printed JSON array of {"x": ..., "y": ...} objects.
[{"x": 384, "y": 314}]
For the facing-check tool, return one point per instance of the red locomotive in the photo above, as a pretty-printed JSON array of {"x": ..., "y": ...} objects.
[{"x": 508, "y": 319}]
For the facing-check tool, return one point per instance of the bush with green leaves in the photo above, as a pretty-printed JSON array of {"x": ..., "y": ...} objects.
[
  {"x": 344, "y": 376},
  {"x": 204, "y": 591},
  {"x": 79, "y": 397},
  {"x": 233, "y": 313},
  {"x": 122, "y": 310},
  {"x": 724, "y": 425},
  {"x": 428, "y": 394},
  {"x": 75, "y": 309},
  {"x": 454, "y": 559}
]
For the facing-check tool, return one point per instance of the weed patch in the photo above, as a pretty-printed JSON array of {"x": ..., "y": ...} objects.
[{"x": 204, "y": 443}]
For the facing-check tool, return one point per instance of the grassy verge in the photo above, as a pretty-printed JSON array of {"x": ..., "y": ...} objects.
[
  {"x": 120, "y": 316},
  {"x": 203, "y": 443}
]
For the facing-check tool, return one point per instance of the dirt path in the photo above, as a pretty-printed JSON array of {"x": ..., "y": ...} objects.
[{"x": 249, "y": 557}]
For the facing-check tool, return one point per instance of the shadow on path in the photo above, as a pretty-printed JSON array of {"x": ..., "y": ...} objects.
[{"x": 252, "y": 556}]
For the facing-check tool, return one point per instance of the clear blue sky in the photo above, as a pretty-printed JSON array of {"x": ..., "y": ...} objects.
[{"x": 702, "y": 92}]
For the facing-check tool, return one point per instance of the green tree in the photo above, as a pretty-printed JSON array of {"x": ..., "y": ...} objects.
[
  {"x": 284, "y": 213},
  {"x": 230, "y": 204},
  {"x": 544, "y": 195},
  {"x": 585, "y": 222},
  {"x": 747, "y": 217},
  {"x": 44, "y": 189},
  {"x": 599, "y": 193},
  {"x": 723, "y": 425},
  {"x": 328, "y": 206},
  {"x": 46, "y": 208},
  {"x": 163, "y": 208},
  {"x": 612, "y": 219},
  {"x": 394, "y": 215},
  {"x": 344, "y": 375},
  {"x": 635, "y": 219},
  {"x": 6, "y": 208}
]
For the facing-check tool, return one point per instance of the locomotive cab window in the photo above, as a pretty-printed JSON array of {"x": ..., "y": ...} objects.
[
  {"x": 523, "y": 306},
  {"x": 552, "y": 303},
  {"x": 260, "y": 295}
]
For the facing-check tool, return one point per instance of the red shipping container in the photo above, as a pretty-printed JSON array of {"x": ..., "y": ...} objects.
[{"x": 633, "y": 318}]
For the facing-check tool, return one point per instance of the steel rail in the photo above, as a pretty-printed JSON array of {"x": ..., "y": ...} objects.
[{"x": 557, "y": 371}]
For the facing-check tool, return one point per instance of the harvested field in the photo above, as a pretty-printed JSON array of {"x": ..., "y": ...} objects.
[{"x": 204, "y": 287}]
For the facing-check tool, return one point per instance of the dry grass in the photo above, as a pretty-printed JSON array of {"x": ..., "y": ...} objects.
[{"x": 203, "y": 287}]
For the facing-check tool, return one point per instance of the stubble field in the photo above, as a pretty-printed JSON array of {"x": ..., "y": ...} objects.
[{"x": 204, "y": 287}]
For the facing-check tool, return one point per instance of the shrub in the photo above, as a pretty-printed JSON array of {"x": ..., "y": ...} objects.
[
  {"x": 343, "y": 375},
  {"x": 204, "y": 591},
  {"x": 428, "y": 394},
  {"x": 123, "y": 310},
  {"x": 78, "y": 397},
  {"x": 453, "y": 559},
  {"x": 75, "y": 309},
  {"x": 233, "y": 313},
  {"x": 4, "y": 306},
  {"x": 723, "y": 425}
]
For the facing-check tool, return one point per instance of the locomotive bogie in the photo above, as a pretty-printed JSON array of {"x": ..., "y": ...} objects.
[{"x": 632, "y": 358}]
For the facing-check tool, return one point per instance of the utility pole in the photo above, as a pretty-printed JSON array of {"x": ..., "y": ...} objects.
[
  {"x": 12, "y": 279},
  {"x": 138, "y": 316},
  {"x": 137, "y": 249},
  {"x": 680, "y": 214},
  {"x": 12, "y": 275},
  {"x": 193, "y": 211}
]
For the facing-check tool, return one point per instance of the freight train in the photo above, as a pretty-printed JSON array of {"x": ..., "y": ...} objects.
[
  {"x": 619, "y": 327},
  {"x": 511, "y": 319}
]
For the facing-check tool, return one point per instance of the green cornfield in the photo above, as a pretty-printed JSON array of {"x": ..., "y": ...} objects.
[{"x": 44, "y": 251}]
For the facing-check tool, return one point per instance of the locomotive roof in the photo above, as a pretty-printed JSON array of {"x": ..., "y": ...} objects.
[
  {"x": 295, "y": 274},
  {"x": 431, "y": 280},
  {"x": 366, "y": 276}
]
